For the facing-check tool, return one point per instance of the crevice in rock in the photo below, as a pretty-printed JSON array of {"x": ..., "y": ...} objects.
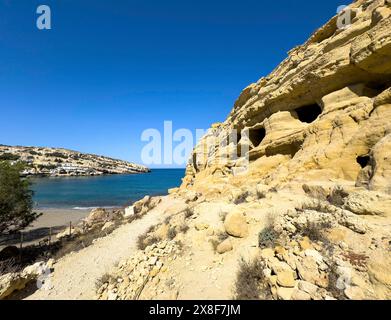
[
  {"x": 195, "y": 162},
  {"x": 309, "y": 113},
  {"x": 285, "y": 149}
]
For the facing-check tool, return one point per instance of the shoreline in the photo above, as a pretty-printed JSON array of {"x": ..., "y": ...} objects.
[
  {"x": 54, "y": 219},
  {"x": 57, "y": 217}
]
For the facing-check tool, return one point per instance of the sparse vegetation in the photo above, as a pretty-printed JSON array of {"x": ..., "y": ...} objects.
[
  {"x": 9, "y": 157},
  {"x": 251, "y": 282},
  {"x": 315, "y": 231},
  {"x": 241, "y": 198},
  {"x": 145, "y": 239},
  {"x": 106, "y": 278},
  {"x": 268, "y": 238},
  {"x": 171, "y": 234},
  {"x": 260, "y": 194},
  {"x": 57, "y": 155},
  {"x": 189, "y": 213},
  {"x": 184, "y": 228},
  {"x": 8, "y": 266}
]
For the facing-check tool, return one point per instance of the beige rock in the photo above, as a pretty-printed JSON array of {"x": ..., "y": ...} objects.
[
  {"x": 307, "y": 287},
  {"x": 267, "y": 253},
  {"x": 236, "y": 224},
  {"x": 286, "y": 279},
  {"x": 305, "y": 244},
  {"x": 96, "y": 215},
  {"x": 285, "y": 293},
  {"x": 354, "y": 293},
  {"x": 225, "y": 246},
  {"x": 108, "y": 226},
  {"x": 308, "y": 269},
  {"x": 201, "y": 226},
  {"x": 300, "y": 295}
]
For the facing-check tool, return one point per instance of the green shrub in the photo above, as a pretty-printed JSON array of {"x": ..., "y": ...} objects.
[
  {"x": 9, "y": 157},
  {"x": 16, "y": 199},
  {"x": 268, "y": 238}
]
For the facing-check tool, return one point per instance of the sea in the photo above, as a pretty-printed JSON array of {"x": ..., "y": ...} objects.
[{"x": 109, "y": 191}]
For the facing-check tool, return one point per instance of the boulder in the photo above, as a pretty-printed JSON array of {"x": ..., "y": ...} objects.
[
  {"x": 97, "y": 215},
  {"x": 225, "y": 246},
  {"x": 235, "y": 224},
  {"x": 285, "y": 293},
  {"x": 285, "y": 279},
  {"x": 11, "y": 282},
  {"x": 108, "y": 226},
  {"x": 129, "y": 212}
]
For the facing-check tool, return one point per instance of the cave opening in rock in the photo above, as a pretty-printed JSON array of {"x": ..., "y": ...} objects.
[
  {"x": 195, "y": 162},
  {"x": 363, "y": 161},
  {"x": 256, "y": 136},
  {"x": 308, "y": 113}
]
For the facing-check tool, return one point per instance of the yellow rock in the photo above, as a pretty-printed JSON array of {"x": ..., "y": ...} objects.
[
  {"x": 305, "y": 244},
  {"x": 286, "y": 279}
]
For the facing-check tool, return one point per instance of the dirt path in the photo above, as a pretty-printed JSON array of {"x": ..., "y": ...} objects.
[{"x": 74, "y": 275}]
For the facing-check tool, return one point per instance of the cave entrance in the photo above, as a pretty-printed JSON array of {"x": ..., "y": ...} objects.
[
  {"x": 309, "y": 113},
  {"x": 195, "y": 162},
  {"x": 256, "y": 136},
  {"x": 363, "y": 161}
]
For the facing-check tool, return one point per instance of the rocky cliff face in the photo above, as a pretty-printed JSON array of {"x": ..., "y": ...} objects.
[
  {"x": 63, "y": 162},
  {"x": 323, "y": 113},
  {"x": 297, "y": 205}
]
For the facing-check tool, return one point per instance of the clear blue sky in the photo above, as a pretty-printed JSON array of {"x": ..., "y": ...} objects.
[{"x": 110, "y": 69}]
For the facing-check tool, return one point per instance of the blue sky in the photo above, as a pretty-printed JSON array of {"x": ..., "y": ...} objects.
[{"x": 110, "y": 69}]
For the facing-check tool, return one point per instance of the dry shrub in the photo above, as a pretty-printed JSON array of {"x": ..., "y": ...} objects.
[
  {"x": 9, "y": 266},
  {"x": 106, "y": 278},
  {"x": 188, "y": 213},
  {"x": 251, "y": 283},
  {"x": 171, "y": 234},
  {"x": 315, "y": 231},
  {"x": 184, "y": 228},
  {"x": 241, "y": 198},
  {"x": 146, "y": 240}
]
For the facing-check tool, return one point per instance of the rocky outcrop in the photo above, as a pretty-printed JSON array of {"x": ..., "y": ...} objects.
[
  {"x": 322, "y": 112},
  {"x": 63, "y": 162},
  {"x": 11, "y": 282}
]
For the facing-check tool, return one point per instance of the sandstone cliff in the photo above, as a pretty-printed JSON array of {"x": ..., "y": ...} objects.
[
  {"x": 297, "y": 205},
  {"x": 63, "y": 162}
]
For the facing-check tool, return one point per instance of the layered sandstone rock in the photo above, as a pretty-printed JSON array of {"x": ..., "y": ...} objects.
[{"x": 322, "y": 112}]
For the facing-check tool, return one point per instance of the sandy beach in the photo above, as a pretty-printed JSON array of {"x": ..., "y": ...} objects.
[{"x": 57, "y": 219}]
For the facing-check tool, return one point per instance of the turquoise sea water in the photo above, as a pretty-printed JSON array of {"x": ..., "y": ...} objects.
[{"x": 104, "y": 191}]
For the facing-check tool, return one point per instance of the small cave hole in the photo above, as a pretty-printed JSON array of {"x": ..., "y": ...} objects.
[
  {"x": 309, "y": 113},
  {"x": 363, "y": 161},
  {"x": 256, "y": 136},
  {"x": 195, "y": 162}
]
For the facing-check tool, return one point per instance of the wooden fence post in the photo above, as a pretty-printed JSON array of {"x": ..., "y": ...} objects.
[
  {"x": 50, "y": 235},
  {"x": 70, "y": 228},
  {"x": 21, "y": 246}
]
